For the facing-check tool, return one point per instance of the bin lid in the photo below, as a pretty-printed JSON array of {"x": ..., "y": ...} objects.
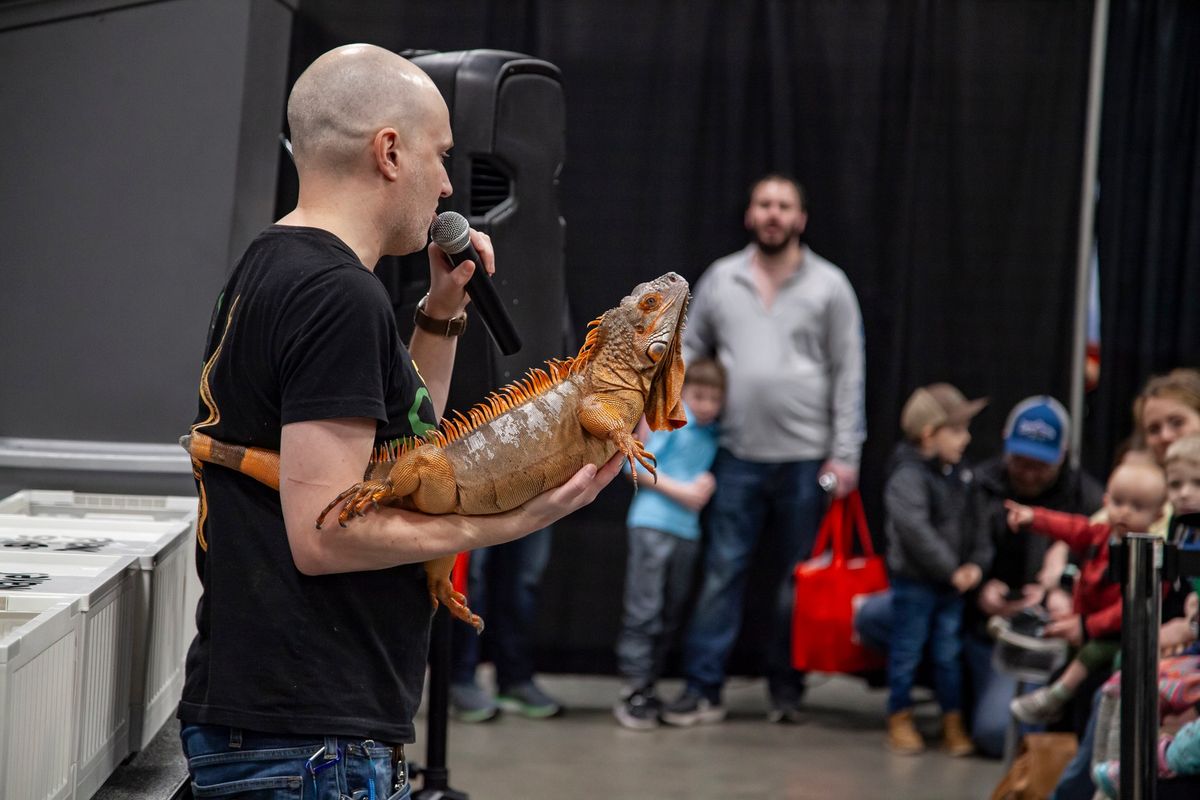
[
  {"x": 149, "y": 540},
  {"x": 34, "y": 622},
  {"x": 101, "y": 505},
  {"x": 88, "y": 576}
]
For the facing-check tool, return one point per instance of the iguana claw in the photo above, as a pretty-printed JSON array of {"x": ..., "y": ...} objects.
[
  {"x": 456, "y": 602},
  {"x": 636, "y": 452},
  {"x": 357, "y": 500}
]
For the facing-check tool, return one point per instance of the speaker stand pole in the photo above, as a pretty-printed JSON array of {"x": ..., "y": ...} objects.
[{"x": 435, "y": 783}]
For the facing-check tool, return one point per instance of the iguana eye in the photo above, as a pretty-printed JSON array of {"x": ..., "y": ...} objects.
[{"x": 650, "y": 302}]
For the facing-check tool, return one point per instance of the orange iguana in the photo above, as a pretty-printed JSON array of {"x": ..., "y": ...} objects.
[{"x": 525, "y": 438}]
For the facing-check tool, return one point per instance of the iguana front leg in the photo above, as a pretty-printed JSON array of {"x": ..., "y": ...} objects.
[
  {"x": 607, "y": 420},
  {"x": 423, "y": 475}
]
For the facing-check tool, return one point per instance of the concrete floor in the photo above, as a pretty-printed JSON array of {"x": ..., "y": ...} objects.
[{"x": 836, "y": 753}]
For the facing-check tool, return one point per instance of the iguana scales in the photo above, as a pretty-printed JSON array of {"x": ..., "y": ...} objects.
[{"x": 525, "y": 438}]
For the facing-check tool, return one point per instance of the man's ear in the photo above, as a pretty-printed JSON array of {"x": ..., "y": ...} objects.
[
  {"x": 385, "y": 148},
  {"x": 802, "y": 223}
]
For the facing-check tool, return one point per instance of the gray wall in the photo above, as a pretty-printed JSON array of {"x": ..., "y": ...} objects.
[{"x": 138, "y": 156}]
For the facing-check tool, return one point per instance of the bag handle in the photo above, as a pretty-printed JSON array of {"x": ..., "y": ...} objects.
[{"x": 844, "y": 515}]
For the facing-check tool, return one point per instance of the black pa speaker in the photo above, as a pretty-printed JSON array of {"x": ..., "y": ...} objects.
[{"x": 508, "y": 120}]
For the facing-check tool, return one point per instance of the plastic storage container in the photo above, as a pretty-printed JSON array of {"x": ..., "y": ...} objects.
[
  {"x": 159, "y": 617},
  {"x": 33, "y": 732},
  {"x": 40, "y": 645},
  {"x": 99, "y": 505}
]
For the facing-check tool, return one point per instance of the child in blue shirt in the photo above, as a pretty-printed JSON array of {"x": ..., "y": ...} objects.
[{"x": 664, "y": 543}]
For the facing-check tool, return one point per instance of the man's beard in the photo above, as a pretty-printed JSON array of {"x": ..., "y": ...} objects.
[{"x": 773, "y": 248}]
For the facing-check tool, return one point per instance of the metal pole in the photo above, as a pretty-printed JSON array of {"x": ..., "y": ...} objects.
[
  {"x": 1141, "y": 595},
  {"x": 435, "y": 784},
  {"x": 1087, "y": 209}
]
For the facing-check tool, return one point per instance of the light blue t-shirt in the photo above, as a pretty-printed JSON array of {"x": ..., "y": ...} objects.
[{"x": 682, "y": 454}]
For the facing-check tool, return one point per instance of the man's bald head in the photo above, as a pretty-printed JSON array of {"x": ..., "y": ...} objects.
[{"x": 347, "y": 95}]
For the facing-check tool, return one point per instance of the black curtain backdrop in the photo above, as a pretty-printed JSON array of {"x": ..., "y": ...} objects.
[
  {"x": 1149, "y": 209},
  {"x": 940, "y": 143}
]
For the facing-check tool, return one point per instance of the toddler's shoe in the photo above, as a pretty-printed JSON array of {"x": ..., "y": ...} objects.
[
  {"x": 955, "y": 740},
  {"x": 902, "y": 736},
  {"x": 1037, "y": 707},
  {"x": 1107, "y": 777},
  {"x": 638, "y": 710}
]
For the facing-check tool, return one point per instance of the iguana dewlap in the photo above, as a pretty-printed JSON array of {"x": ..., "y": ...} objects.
[{"x": 526, "y": 438}]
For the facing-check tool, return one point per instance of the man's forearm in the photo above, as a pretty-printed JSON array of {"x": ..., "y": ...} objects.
[{"x": 434, "y": 357}]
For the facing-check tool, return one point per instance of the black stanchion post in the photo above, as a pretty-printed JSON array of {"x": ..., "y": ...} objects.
[
  {"x": 1142, "y": 596},
  {"x": 435, "y": 784}
]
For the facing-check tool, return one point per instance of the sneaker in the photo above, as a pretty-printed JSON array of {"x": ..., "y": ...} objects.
[
  {"x": 784, "y": 704},
  {"x": 1107, "y": 777},
  {"x": 692, "y": 708},
  {"x": 471, "y": 703},
  {"x": 1037, "y": 707},
  {"x": 638, "y": 710},
  {"x": 784, "y": 715},
  {"x": 528, "y": 700}
]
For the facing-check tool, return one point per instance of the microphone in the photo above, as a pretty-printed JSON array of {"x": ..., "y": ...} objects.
[{"x": 452, "y": 233}]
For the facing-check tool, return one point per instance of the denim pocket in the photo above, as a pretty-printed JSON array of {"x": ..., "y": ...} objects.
[
  {"x": 368, "y": 763},
  {"x": 271, "y": 774},
  {"x": 282, "y": 788}
]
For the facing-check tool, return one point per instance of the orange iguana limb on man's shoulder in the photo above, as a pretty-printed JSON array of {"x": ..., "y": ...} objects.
[{"x": 526, "y": 438}]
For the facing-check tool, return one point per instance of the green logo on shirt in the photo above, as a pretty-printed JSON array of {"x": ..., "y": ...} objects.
[{"x": 419, "y": 426}]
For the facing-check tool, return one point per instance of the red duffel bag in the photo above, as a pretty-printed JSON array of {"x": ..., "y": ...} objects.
[{"x": 827, "y": 584}]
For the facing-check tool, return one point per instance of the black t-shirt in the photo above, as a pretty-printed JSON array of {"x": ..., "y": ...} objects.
[{"x": 302, "y": 331}]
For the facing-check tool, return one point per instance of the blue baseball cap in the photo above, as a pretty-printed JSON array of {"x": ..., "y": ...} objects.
[{"x": 1038, "y": 428}]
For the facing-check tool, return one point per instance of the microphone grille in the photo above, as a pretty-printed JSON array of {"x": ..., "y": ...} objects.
[{"x": 451, "y": 232}]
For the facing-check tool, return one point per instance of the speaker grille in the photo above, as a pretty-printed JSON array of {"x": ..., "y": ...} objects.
[{"x": 489, "y": 186}]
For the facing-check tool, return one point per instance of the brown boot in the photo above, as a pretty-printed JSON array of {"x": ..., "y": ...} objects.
[
  {"x": 902, "y": 735},
  {"x": 955, "y": 740}
]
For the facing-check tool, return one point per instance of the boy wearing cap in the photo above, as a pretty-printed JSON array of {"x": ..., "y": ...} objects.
[
  {"x": 1031, "y": 469},
  {"x": 933, "y": 559}
]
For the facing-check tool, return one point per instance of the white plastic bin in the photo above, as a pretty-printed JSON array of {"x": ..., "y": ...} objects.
[
  {"x": 99, "y": 505},
  {"x": 104, "y": 588},
  {"x": 40, "y": 645},
  {"x": 159, "y": 617}
]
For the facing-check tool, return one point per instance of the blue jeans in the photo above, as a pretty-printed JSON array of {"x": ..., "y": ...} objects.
[
  {"x": 923, "y": 612},
  {"x": 873, "y": 621},
  {"x": 991, "y": 693},
  {"x": 230, "y": 762},
  {"x": 502, "y": 587},
  {"x": 783, "y": 499}
]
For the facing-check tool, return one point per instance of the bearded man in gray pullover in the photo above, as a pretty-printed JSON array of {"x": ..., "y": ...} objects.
[{"x": 786, "y": 325}]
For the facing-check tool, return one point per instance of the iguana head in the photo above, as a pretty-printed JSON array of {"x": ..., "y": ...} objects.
[{"x": 639, "y": 342}]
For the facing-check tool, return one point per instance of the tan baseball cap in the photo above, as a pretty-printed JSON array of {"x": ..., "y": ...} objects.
[{"x": 935, "y": 405}]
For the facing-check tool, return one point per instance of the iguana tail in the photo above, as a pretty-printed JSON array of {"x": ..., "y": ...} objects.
[{"x": 262, "y": 465}]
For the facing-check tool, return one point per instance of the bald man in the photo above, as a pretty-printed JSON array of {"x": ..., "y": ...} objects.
[{"x": 311, "y": 644}]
